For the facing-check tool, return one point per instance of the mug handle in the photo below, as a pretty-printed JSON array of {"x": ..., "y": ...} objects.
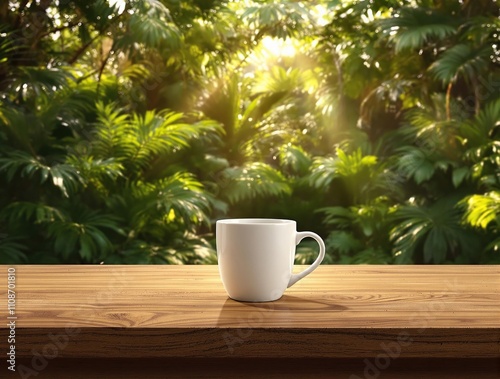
[{"x": 299, "y": 237}]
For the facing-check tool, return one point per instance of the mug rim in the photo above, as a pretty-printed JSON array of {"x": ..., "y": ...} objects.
[{"x": 255, "y": 221}]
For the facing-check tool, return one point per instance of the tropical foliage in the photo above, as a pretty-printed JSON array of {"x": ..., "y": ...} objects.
[{"x": 128, "y": 127}]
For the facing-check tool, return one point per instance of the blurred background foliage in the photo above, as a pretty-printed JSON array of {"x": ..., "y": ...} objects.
[{"x": 128, "y": 127}]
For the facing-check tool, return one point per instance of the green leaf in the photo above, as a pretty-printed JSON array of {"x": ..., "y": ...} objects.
[
  {"x": 435, "y": 246},
  {"x": 483, "y": 210},
  {"x": 136, "y": 140},
  {"x": 38, "y": 81},
  {"x": 416, "y": 163},
  {"x": 339, "y": 216},
  {"x": 295, "y": 159},
  {"x": 151, "y": 25},
  {"x": 63, "y": 176},
  {"x": 343, "y": 242},
  {"x": 81, "y": 231},
  {"x": 435, "y": 228},
  {"x": 461, "y": 60},
  {"x": 325, "y": 169},
  {"x": 459, "y": 175},
  {"x": 414, "y": 27},
  {"x": 12, "y": 251},
  {"x": 178, "y": 200},
  {"x": 20, "y": 211},
  {"x": 254, "y": 180},
  {"x": 278, "y": 19}
]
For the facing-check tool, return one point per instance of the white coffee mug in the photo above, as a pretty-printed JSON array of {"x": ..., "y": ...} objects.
[{"x": 256, "y": 257}]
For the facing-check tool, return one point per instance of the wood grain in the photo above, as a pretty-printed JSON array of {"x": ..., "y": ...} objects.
[
  {"x": 267, "y": 368},
  {"x": 183, "y": 311}
]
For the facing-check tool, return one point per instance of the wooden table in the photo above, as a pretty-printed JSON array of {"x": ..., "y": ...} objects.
[{"x": 177, "y": 321}]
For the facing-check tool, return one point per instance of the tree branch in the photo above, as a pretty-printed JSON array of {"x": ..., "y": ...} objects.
[
  {"x": 55, "y": 30},
  {"x": 82, "y": 49}
]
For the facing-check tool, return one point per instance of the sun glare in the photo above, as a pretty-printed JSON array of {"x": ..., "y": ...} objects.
[
  {"x": 119, "y": 4},
  {"x": 278, "y": 47}
]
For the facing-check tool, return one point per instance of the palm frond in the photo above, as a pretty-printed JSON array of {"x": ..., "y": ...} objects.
[
  {"x": 277, "y": 80},
  {"x": 63, "y": 176},
  {"x": 370, "y": 255},
  {"x": 7, "y": 44},
  {"x": 294, "y": 159},
  {"x": 366, "y": 219},
  {"x": 340, "y": 217},
  {"x": 435, "y": 229},
  {"x": 480, "y": 133},
  {"x": 182, "y": 196},
  {"x": 421, "y": 164},
  {"x": 28, "y": 211},
  {"x": 416, "y": 163},
  {"x": 254, "y": 180},
  {"x": 154, "y": 135},
  {"x": 138, "y": 139},
  {"x": 414, "y": 27},
  {"x": 326, "y": 169},
  {"x": 97, "y": 171},
  {"x": 83, "y": 230},
  {"x": 429, "y": 125},
  {"x": 98, "y": 13},
  {"x": 185, "y": 248},
  {"x": 483, "y": 211},
  {"x": 480, "y": 139},
  {"x": 21, "y": 128},
  {"x": 152, "y": 208},
  {"x": 278, "y": 19},
  {"x": 153, "y": 31},
  {"x": 112, "y": 133},
  {"x": 152, "y": 26},
  {"x": 12, "y": 251},
  {"x": 343, "y": 242},
  {"x": 461, "y": 60},
  {"x": 38, "y": 81},
  {"x": 459, "y": 175},
  {"x": 68, "y": 106},
  {"x": 137, "y": 71}
]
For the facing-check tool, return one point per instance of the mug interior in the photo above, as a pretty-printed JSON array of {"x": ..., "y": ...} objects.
[{"x": 253, "y": 221}]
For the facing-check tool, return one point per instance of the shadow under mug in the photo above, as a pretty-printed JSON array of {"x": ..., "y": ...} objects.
[{"x": 256, "y": 256}]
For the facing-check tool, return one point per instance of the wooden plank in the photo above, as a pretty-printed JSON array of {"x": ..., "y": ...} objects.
[
  {"x": 180, "y": 311},
  {"x": 257, "y": 343},
  {"x": 193, "y": 296},
  {"x": 269, "y": 369}
]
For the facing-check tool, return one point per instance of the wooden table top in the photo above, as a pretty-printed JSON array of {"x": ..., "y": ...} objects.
[{"x": 337, "y": 311}]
